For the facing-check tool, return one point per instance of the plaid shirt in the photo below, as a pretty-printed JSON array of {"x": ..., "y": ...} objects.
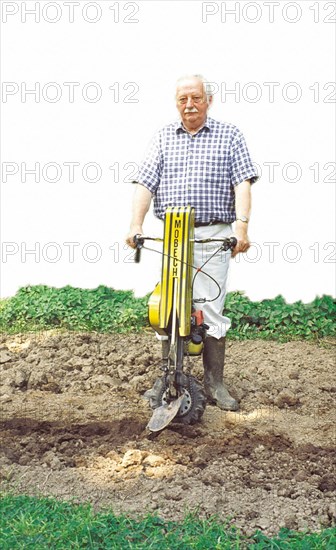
[{"x": 199, "y": 170}]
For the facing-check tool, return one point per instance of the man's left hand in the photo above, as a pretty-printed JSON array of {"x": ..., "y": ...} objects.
[{"x": 243, "y": 243}]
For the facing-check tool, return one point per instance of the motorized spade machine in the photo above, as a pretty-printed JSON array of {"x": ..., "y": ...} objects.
[{"x": 173, "y": 314}]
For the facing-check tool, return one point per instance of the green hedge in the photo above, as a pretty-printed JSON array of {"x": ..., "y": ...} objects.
[
  {"x": 107, "y": 310},
  {"x": 102, "y": 310},
  {"x": 275, "y": 319}
]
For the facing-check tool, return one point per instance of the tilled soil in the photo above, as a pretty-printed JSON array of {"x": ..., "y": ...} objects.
[{"x": 73, "y": 425}]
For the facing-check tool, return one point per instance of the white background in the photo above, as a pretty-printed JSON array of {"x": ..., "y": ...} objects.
[{"x": 140, "y": 49}]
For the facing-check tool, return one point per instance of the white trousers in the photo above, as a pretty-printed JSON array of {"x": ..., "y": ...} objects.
[
  {"x": 204, "y": 286},
  {"x": 210, "y": 283}
]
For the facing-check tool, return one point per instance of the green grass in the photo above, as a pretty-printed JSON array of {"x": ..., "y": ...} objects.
[
  {"x": 104, "y": 309},
  {"x": 44, "y": 523}
]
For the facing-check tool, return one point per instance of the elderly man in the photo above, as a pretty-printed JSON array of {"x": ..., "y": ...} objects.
[{"x": 205, "y": 164}]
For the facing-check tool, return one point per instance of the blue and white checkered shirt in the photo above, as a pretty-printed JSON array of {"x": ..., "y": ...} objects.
[{"x": 199, "y": 170}]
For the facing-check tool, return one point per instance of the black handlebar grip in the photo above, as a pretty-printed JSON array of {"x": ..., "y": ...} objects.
[
  {"x": 229, "y": 243},
  {"x": 138, "y": 241},
  {"x": 233, "y": 242}
]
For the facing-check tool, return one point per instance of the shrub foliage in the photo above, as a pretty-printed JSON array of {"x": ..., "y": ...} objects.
[
  {"x": 102, "y": 309},
  {"x": 275, "y": 319},
  {"x": 107, "y": 310}
]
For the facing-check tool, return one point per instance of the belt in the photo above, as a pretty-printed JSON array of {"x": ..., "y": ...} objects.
[{"x": 212, "y": 222}]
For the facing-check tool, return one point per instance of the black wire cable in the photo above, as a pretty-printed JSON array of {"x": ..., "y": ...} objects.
[
  {"x": 200, "y": 270},
  {"x": 197, "y": 269}
]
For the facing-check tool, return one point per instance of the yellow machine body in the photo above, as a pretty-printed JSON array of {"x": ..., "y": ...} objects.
[
  {"x": 194, "y": 349},
  {"x": 176, "y": 276},
  {"x": 154, "y": 310}
]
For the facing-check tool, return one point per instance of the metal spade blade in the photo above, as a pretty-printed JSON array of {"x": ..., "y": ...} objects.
[{"x": 163, "y": 415}]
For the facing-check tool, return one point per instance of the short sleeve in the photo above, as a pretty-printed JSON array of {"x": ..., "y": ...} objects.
[
  {"x": 150, "y": 169},
  {"x": 242, "y": 167}
]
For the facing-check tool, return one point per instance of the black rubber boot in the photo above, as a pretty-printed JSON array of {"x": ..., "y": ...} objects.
[{"x": 213, "y": 362}]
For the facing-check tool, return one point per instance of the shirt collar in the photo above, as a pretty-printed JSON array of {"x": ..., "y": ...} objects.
[{"x": 207, "y": 126}]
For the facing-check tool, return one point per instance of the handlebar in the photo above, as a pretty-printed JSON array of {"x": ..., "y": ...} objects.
[
  {"x": 139, "y": 242},
  {"x": 228, "y": 243}
]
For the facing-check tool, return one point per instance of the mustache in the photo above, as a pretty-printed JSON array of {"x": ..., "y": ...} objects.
[{"x": 190, "y": 110}]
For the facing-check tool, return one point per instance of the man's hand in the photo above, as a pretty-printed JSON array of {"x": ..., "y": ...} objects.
[
  {"x": 243, "y": 243},
  {"x": 135, "y": 230}
]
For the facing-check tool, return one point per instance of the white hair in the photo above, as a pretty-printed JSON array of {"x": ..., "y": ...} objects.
[{"x": 206, "y": 84}]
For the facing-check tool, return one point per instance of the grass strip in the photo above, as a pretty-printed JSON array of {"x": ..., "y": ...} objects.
[{"x": 46, "y": 523}]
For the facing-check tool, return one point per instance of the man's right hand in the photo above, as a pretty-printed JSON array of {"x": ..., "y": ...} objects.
[{"x": 135, "y": 230}]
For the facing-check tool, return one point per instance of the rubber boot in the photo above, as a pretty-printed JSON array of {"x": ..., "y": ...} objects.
[{"x": 213, "y": 362}]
